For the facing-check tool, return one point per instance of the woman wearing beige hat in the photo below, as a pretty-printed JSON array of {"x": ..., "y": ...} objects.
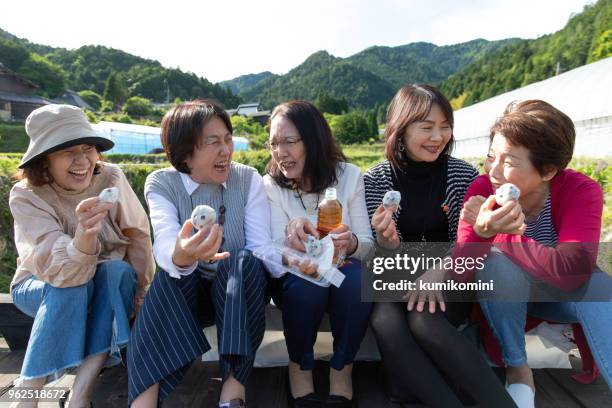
[{"x": 85, "y": 259}]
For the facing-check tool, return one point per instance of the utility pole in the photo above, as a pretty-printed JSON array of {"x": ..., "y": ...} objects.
[{"x": 167, "y": 90}]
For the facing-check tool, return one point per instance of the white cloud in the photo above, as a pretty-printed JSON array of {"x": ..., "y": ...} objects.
[{"x": 221, "y": 40}]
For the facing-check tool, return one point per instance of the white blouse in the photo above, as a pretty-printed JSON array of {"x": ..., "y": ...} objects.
[{"x": 285, "y": 205}]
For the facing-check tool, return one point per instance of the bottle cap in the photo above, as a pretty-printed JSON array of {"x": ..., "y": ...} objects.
[{"x": 330, "y": 193}]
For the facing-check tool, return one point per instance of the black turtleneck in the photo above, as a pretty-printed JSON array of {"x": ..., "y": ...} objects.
[{"x": 423, "y": 188}]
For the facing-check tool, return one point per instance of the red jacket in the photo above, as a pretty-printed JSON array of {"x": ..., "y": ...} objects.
[{"x": 576, "y": 207}]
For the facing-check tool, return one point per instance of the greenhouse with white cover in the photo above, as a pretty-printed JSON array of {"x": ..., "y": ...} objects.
[{"x": 584, "y": 94}]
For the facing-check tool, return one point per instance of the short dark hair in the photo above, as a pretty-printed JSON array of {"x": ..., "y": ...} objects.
[
  {"x": 323, "y": 154},
  {"x": 182, "y": 126},
  {"x": 36, "y": 174},
  {"x": 412, "y": 103},
  {"x": 545, "y": 131}
]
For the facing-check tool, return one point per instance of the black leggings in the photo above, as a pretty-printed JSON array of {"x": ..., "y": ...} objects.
[{"x": 421, "y": 351}]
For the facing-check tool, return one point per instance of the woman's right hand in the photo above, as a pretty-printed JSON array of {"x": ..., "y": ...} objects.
[
  {"x": 507, "y": 219},
  {"x": 201, "y": 246},
  {"x": 297, "y": 231},
  {"x": 90, "y": 213},
  {"x": 384, "y": 225}
]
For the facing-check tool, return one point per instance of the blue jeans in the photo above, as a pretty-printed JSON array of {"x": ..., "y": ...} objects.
[
  {"x": 71, "y": 324},
  {"x": 507, "y": 318},
  {"x": 303, "y": 305}
]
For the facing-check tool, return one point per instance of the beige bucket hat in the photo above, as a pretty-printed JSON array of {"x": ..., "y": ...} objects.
[{"x": 56, "y": 127}]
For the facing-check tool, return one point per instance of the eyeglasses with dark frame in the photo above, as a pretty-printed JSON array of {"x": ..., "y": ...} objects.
[{"x": 289, "y": 143}]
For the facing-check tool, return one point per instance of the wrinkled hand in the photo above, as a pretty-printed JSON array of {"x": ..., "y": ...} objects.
[
  {"x": 297, "y": 231},
  {"x": 471, "y": 208},
  {"x": 508, "y": 219},
  {"x": 419, "y": 296},
  {"x": 90, "y": 213},
  {"x": 384, "y": 225},
  {"x": 344, "y": 241},
  {"x": 201, "y": 246}
]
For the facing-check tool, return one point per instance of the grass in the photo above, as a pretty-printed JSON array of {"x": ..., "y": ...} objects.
[{"x": 13, "y": 137}]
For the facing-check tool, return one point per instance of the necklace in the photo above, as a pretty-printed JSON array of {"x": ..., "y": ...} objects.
[{"x": 311, "y": 214}]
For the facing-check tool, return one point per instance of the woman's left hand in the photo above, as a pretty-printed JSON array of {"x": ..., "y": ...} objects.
[
  {"x": 419, "y": 296},
  {"x": 344, "y": 240}
]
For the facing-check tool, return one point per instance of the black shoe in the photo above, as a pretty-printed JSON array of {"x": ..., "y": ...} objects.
[
  {"x": 338, "y": 401},
  {"x": 307, "y": 401},
  {"x": 62, "y": 401}
]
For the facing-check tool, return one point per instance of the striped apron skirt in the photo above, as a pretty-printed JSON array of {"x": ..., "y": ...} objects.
[{"x": 167, "y": 334}]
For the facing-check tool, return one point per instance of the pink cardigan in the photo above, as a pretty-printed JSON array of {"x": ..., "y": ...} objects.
[{"x": 576, "y": 206}]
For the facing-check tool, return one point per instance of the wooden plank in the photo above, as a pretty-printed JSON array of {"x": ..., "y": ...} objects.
[
  {"x": 15, "y": 325},
  {"x": 369, "y": 387},
  {"x": 268, "y": 387},
  {"x": 111, "y": 388},
  {"x": 592, "y": 395},
  {"x": 549, "y": 394},
  {"x": 10, "y": 367},
  {"x": 201, "y": 387}
]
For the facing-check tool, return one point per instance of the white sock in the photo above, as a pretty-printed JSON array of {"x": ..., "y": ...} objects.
[{"x": 522, "y": 394}]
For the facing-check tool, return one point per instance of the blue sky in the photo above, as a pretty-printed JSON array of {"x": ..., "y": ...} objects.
[{"x": 223, "y": 39}]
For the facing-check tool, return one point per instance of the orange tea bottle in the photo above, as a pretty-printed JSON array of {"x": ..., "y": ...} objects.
[{"x": 330, "y": 213}]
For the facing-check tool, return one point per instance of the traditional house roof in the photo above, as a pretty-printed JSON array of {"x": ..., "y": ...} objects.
[
  {"x": 70, "y": 97},
  {"x": 5, "y": 71},
  {"x": 32, "y": 99}
]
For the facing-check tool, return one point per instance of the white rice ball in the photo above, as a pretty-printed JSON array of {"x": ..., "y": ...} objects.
[
  {"x": 507, "y": 192},
  {"x": 203, "y": 215},
  {"x": 392, "y": 199},
  {"x": 109, "y": 195},
  {"x": 313, "y": 246}
]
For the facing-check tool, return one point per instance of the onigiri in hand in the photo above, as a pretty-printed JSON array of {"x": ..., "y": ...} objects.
[
  {"x": 392, "y": 199},
  {"x": 313, "y": 246},
  {"x": 202, "y": 216},
  {"x": 109, "y": 195},
  {"x": 507, "y": 192}
]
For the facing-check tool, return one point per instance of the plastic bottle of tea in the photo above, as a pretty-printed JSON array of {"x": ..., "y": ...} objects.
[{"x": 330, "y": 213}]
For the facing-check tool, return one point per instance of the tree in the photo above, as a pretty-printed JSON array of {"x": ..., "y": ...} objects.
[
  {"x": 251, "y": 129},
  {"x": 49, "y": 77},
  {"x": 136, "y": 106},
  {"x": 351, "y": 128},
  {"x": 92, "y": 98},
  {"x": 602, "y": 47},
  {"x": 12, "y": 54},
  {"x": 328, "y": 104},
  {"x": 115, "y": 89}
]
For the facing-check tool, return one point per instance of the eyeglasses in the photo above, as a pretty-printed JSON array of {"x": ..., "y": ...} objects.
[{"x": 289, "y": 143}]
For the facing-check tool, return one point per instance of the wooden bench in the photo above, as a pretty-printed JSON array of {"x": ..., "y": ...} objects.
[{"x": 15, "y": 325}]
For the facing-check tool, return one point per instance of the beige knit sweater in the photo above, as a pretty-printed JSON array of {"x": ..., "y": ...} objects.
[{"x": 45, "y": 224}]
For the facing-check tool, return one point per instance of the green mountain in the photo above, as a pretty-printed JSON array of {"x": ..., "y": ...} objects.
[
  {"x": 423, "y": 62},
  {"x": 243, "y": 82},
  {"x": 467, "y": 72},
  {"x": 321, "y": 72},
  {"x": 88, "y": 67},
  {"x": 587, "y": 37},
  {"x": 367, "y": 78}
]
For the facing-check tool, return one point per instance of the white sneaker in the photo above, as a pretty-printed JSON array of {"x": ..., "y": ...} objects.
[{"x": 522, "y": 394}]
